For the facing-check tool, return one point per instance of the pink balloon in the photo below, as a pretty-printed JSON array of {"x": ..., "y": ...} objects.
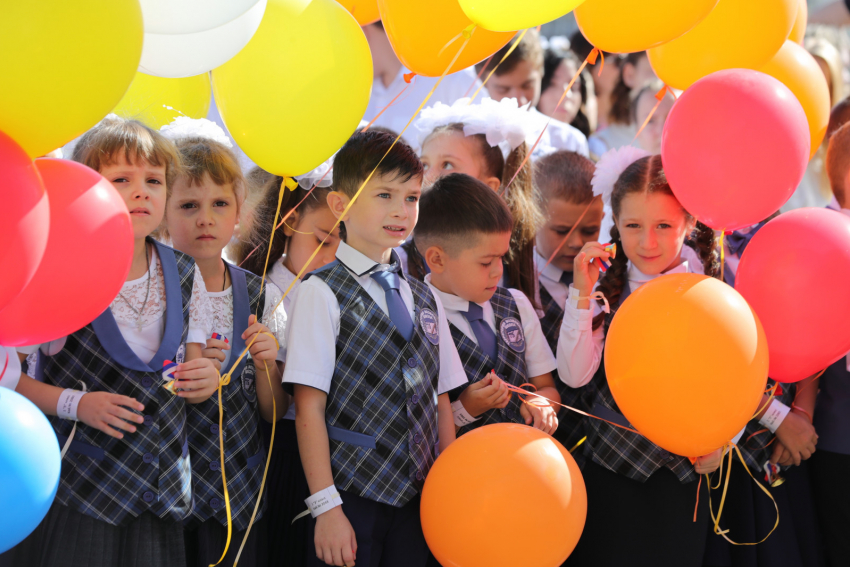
[
  {"x": 24, "y": 219},
  {"x": 795, "y": 274},
  {"x": 735, "y": 147},
  {"x": 88, "y": 257}
]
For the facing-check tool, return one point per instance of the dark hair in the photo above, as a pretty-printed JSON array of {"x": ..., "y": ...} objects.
[
  {"x": 646, "y": 175},
  {"x": 455, "y": 209},
  {"x": 564, "y": 175},
  {"x": 838, "y": 117},
  {"x": 838, "y": 163},
  {"x": 366, "y": 151},
  {"x": 529, "y": 49},
  {"x": 621, "y": 103},
  {"x": 551, "y": 61},
  {"x": 259, "y": 223}
]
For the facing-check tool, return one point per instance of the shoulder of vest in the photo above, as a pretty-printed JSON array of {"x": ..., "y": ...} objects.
[
  {"x": 321, "y": 271},
  {"x": 183, "y": 259}
]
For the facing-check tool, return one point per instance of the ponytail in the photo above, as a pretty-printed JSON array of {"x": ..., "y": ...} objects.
[
  {"x": 705, "y": 245},
  {"x": 613, "y": 282}
]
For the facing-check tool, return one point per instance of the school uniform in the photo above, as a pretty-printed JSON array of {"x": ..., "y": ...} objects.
[
  {"x": 635, "y": 489},
  {"x": 348, "y": 337},
  {"x": 557, "y": 136},
  {"x": 10, "y": 368},
  {"x": 123, "y": 501},
  {"x": 514, "y": 345},
  {"x": 245, "y": 456}
]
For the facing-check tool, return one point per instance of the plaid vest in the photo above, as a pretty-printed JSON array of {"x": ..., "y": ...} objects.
[
  {"x": 115, "y": 480},
  {"x": 243, "y": 451},
  {"x": 510, "y": 364},
  {"x": 382, "y": 406},
  {"x": 757, "y": 447}
]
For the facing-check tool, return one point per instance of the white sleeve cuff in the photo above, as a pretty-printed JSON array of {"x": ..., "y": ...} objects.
[
  {"x": 12, "y": 375},
  {"x": 775, "y": 415}
]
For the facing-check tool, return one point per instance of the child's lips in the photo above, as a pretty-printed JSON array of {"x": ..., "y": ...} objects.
[
  {"x": 140, "y": 212},
  {"x": 206, "y": 237},
  {"x": 394, "y": 230}
]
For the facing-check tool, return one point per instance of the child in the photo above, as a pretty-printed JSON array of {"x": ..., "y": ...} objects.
[
  {"x": 602, "y": 81},
  {"x": 201, "y": 215},
  {"x": 563, "y": 182},
  {"x": 559, "y": 67},
  {"x": 487, "y": 141},
  {"x": 520, "y": 77},
  {"x": 310, "y": 224},
  {"x": 126, "y": 481},
  {"x": 643, "y": 101},
  {"x": 371, "y": 361},
  {"x": 464, "y": 231},
  {"x": 650, "y": 491}
]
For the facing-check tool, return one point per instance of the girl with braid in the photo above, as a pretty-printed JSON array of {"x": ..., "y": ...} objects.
[{"x": 639, "y": 491}]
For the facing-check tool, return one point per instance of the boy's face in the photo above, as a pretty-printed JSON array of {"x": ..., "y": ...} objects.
[
  {"x": 561, "y": 217},
  {"x": 474, "y": 273},
  {"x": 522, "y": 83},
  {"x": 201, "y": 217},
  {"x": 382, "y": 217},
  {"x": 142, "y": 186}
]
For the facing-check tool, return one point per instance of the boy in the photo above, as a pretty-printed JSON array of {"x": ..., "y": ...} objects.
[
  {"x": 563, "y": 187},
  {"x": 371, "y": 360},
  {"x": 520, "y": 76},
  {"x": 465, "y": 232}
]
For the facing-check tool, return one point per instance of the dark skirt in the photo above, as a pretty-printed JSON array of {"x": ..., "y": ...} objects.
[
  {"x": 829, "y": 474},
  {"x": 286, "y": 490},
  {"x": 205, "y": 543},
  {"x": 636, "y": 524},
  {"x": 749, "y": 515},
  {"x": 67, "y": 538}
]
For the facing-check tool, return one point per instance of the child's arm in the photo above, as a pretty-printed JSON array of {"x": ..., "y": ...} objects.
[
  {"x": 197, "y": 377},
  {"x": 488, "y": 393},
  {"x": 536, "y": 414},
  {"x": 264, "y": 353},
  {"x": 445, "y": 421},
  {"x": 334, "y": 538},
  {"x": 796, "y": 437}
]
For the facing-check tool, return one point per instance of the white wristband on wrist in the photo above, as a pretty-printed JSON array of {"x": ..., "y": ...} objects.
[
  {"x": 69, "y": 400},
  {"x": 775, "y": 415},
  {"x": 323, "y": 500},
  {"x": 461, "y": 416}
]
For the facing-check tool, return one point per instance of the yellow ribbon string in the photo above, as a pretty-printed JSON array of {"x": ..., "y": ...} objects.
[
  {"x": 577, "y": 445},
  {"x": 287, "y": 183},
  {"x": 722, "y": 256},
  {"x": 467, "y": 33},
  {"x": 771, "y": 392},
  {"x": 505, "y": 56}
]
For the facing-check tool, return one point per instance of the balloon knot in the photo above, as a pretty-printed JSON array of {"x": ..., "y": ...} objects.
[
  {"x": 594, "y": 53},
  {"x": 467, "y": 32},
  {"x": 290, "y": 183},
  {"x": 409, "y": 77}
]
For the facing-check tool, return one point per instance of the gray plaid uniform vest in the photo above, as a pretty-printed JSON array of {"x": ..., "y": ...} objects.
[
  {"x": 115, "y": 480},
  {"x": 243, "y": 451},
  {"x": 382, "y": 406}
]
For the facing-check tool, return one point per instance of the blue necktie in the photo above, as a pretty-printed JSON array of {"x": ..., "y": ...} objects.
[
  {"x": 482, "y": 331},
  {"x": 399, "y": 315},
  {"x": 566, "y": 278}
]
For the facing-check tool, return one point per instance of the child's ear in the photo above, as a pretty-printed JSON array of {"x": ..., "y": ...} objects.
[
  {"x": 436, "y": 258},
  {"x": 292, "y": 221},
  {"x": 337, "y": 202},
  {"x": 493, "y": 183}
]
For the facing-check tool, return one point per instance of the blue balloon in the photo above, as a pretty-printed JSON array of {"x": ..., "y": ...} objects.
[{"x": 29, "y": 467}]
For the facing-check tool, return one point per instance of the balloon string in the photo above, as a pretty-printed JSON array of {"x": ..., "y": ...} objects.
[
  {"x": 722, "y": 256},
  {"x": 467, "y": 33},
  {"x": 478, "y": 78},
  {"x": 502, "y": 60},
  {"x": 5, "y": 364},
  {"x": 392, "y": 102},
  {"x": 771, "y": 392},
  {"x": 696, "y": 508},
  {"x": 659, "y": 99},
  {"x": 567, "y": 237}
]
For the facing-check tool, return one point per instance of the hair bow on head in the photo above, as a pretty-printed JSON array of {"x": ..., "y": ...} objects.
[
  {"x": 185, "y": 127},
  {"x": 611, "y": 166}
]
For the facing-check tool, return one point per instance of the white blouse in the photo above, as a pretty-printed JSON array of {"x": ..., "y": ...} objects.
[{"x": 283, "y": 278}]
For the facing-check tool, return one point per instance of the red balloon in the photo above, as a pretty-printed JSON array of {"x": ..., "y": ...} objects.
[
  {"x": 735, "y": 147},
  {"x": 88, "y": 257},
  {"x": 794, "y": 274},
  {"x": 24, "y": 218}
]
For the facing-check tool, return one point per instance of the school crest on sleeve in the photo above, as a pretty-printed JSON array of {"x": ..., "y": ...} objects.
[
  {"x": 249, "y": 383},
  {"x": 180, "y": 357},
  {"x": 511, "y": 331},
  {"x": 430, "y": 325}
]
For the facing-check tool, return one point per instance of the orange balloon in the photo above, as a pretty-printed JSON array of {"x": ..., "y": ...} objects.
[
  {"x": 686, "y": 359},
  {"x": 799, "y": 71},
  {"x": 489, "y": 480},
  {"x": 364, "y": 11},
  {"x": 798, "y": 32},
  {"x": 418, "y": 32}
]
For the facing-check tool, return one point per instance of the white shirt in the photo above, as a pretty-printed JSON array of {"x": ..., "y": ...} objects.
[
  {"x": 579, "y": 346},
  {"x": 313, "y": 327},
  {"x": 12, "y": 364},
  {"x": 613, "y": 137},
  {"x": 550, "y": 278},
  {"x": 558, "y": 136},
  {"x": 538, "y": 356},
  {"x": 283, "y": 278},
  {"x": 453, "y": 87}
]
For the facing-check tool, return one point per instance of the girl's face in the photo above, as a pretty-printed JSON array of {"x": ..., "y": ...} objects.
[
  {"x": 561, "y": 217},
  {"x": 201, "y": 217},
  {"x": 451, "y": 152},
  {"x": 312, "y": 228},
  {"x": 650, "y": 137},
  {"x": 567, "y": 110},
  {"x": 653, "y": 227},
  {"x": 142, "y": 186}
]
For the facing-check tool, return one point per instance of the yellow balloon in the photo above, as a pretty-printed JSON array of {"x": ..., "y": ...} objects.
[
  {"x": 627, "y": 26},
  {"x": 736, "y": 34},
  {"x": 298, "y": 90},
  {"x": 799, "y": 71},
  {"x": 798, "y": 32},
  {"x": 156, "y": 101},
  {"x": 64, "y": 66},
  {"x": 510, "y": 15}
]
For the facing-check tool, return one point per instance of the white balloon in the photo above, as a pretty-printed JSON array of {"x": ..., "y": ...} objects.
[{"x": 184, "y": 38}]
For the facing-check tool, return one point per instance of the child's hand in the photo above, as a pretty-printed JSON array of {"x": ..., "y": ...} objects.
[
  {"x": 486, "y": 394},
  {"x": 797, "y": 436},
  {"x": 198, "y": 379},
  {"x": 781, "y": 455},
  {"x": 105, "y": 411},
  {"x": 215, "y": 352},
  {"x": 586, "y": 267},
  {"x": 334, "y": 539},
  {"x": 265, "y": 347},
  {"x": 707, "y": 464},
  {"x": 539, "y": 415}
]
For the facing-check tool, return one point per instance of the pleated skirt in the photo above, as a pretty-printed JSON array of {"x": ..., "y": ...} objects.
[{"x": 205, "y": 544}]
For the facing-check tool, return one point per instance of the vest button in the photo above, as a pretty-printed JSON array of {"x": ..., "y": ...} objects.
[
  {"x": 414, "y": 399},
  {"x": 214, "y": 429},
  {"x": 665, "y": 455},
  {"x": 147, "y": 382},
  {"x": 215, "y": 466},
  {"x": 417, "y": 438},
  {"x": 148, "y": 497},
  {"x": 148, "y": 458},
  {"x": 148, "y": 420},
  {"x": 412, "y": 362},
  {"x": 215, "y": 503},
  {"x": 419, "y": 476}
]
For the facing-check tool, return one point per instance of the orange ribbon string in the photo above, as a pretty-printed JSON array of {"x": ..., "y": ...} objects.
[
  {"x": 659, "y": 97},
  {"x": 478, "y": 77},
  {"x": 392, "y": 102}
]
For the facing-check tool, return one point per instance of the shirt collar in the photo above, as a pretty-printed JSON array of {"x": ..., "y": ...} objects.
[
  {"x": 640, "y": 278},
  {"x": 550, "y": 272},
  {"x": 450, "y": 301},
  {"x": 360, "y": 264}
]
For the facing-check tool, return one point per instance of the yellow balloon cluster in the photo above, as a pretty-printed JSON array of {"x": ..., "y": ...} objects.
[{"x": 156, "y": 101}]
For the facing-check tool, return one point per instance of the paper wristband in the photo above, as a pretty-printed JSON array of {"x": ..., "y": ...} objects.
[
  {"x": 775, "y": 415},
  {"x": 324, "y": 500},
  {"x": 461, "y": 416},
  {"x": 69, "y": 400}
]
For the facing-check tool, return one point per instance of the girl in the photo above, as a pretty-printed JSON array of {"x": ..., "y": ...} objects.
[
  {"x": 651, "y": 491},
  {"x": 309, "y": 224},
  {"x": 126, "y": 487},
  {"x": 558, "y": 69},
  {"x": 201, "y": 215},
  {"x": 487, "y": 141}
]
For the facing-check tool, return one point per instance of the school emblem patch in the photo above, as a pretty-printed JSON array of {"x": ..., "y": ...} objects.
[
  {"x": 429, "y": 323},
  {"x": 511, "y": 331},
  {"x": 249, "y": 383}
]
